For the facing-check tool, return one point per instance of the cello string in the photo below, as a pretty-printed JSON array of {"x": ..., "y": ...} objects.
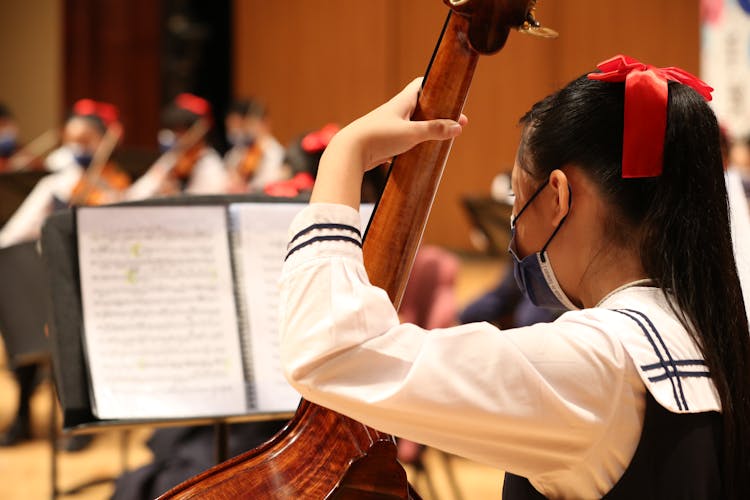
[{"x": 424, "y": 80}]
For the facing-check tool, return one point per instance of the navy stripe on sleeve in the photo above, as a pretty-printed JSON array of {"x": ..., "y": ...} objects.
[
  {"x": 343, "y": 227},
  {"x": 331, "y": 237}
]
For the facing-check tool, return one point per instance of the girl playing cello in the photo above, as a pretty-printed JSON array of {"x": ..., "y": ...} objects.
[{"x": 642, "y": 390}]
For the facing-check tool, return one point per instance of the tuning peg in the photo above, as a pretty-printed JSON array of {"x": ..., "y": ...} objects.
[{"x": 533, "y": 27}]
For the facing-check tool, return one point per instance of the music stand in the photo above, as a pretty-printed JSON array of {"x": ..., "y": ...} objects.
[
  {"x": 492, "y": 218},
  {"x": 14, "y": 188},
  {"x": 65, "y": 315},
  {"x": 23, "y": 297}
]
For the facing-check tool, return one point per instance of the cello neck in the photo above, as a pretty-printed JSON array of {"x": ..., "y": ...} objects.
[
  {"x": 473, "y": 27},
  {"x": 396, "y": 229}
]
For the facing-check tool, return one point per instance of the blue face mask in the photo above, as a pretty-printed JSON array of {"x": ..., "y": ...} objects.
[
  {"x": 7, "y": 145},
  {"x": 81, "y": 155},
  {"x": 166, "y": 139},
  {"x": 534, "y": 273}
]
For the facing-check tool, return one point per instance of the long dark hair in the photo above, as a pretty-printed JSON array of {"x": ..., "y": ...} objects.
[{"x": 678, "y": 222}]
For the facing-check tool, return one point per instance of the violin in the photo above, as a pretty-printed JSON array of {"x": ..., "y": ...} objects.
[
  {"x": 102, "y": 180},
  {"x": 248, "y": 166},
  {"x": 186, "y": 152},
  {"x": 111, "y": 180},
  {"x": 320, "y": 453},
  {"x": 185, "y": 162}
]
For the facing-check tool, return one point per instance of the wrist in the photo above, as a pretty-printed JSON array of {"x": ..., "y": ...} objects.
[{"x": 340, "y": 173}]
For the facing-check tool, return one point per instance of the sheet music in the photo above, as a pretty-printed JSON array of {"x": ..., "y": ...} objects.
[
  {"x": 262, "y": 232},
  {"x": 160, "y": 322}
]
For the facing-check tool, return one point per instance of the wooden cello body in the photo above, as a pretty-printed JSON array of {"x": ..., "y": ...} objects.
[{"x": 320, "y": 453}]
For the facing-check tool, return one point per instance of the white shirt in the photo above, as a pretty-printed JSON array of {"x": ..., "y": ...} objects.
[
  {"x": 208, "y": 176},
  {"x": 59, "y": 159},
  {"x": 559, "y": 403},
  {"x": 26, "y": 222}
]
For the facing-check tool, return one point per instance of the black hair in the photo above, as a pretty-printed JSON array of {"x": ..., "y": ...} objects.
[
  {"x": 301, "y": 161},
  {"x": 93, "y": 120},
  {"x": 176, "y": 118},
  {"x": 678, "y": 222},
  {"x": 5, "y": 112},
  {"x": 248, "y": 108}
]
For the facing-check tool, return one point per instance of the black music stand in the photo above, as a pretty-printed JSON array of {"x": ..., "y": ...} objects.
[
  {"x": 492, "y": 218},
  {"x": 14, "y": 188},
  {"x": 23, "y": 297},
  {"x": 65, "y": 322}
]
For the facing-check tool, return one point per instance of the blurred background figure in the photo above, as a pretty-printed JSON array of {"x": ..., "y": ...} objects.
[
  {"x": 8, "y": 136},
  {"x": 76, "y": 180},
  {"x": 740, "y": 153},
  {"x": 255, "y": 157},
  {"x": 300, "y": 165},
  {"x": 188, "y": 164},
  {"x": 13, "y": 156}
]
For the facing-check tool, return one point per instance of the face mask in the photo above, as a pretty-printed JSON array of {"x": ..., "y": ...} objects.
[
  {"x": 166, "y": 139},
  {"x": 533, "y": 273},
  {"x": 7, "y": 144},
  {"x": 239, "y": 138},
  {"x": 82, "y": 156}
]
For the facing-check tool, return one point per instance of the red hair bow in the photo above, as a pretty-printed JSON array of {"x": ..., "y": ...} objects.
[
  {"x": 108, "y": 113},
  {"x": 194, "y": 104},
  {"x": 646, "y": 96},
  {"x": 317, "y": 141}
]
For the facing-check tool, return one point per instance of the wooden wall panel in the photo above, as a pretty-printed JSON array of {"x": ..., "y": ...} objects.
[
  {"x": 311, "y": 62},
  {"x": 31, "y": 53},
  {"x": 660, "y": 32},
  {"x": 112, "y": 54},
  {"x": 315, "y": 62}
]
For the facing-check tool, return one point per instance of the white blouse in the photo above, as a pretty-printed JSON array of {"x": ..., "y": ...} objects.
[
  {"x": 559, "y": 403},
  {"x": 26, "y": 222}
]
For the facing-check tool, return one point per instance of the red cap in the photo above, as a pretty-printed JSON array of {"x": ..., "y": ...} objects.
[
  {"x": 194, "y": 104},
  {"x": 317, "y": 141},
  {"x": 105, "y": 111},
  {"x": 291, "y": 187}
]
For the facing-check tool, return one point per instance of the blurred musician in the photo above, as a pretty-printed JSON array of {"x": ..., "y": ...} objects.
[
  {"x": 84, "y": 134},
  {"x": 8, "y": 136},
  {"x": 301, "y": 161},
  {"x": 188, "y": 164},
  {"x": 255, "y": 158}
]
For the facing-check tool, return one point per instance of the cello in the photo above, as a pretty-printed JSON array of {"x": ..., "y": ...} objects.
[{"x": 320, "y": 453}]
